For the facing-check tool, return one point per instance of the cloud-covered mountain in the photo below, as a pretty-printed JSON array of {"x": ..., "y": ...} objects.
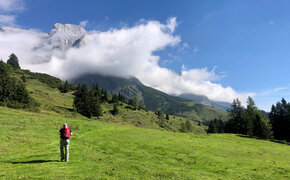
[
  {"x": 151, "y": 98},
  {"x": 69, "y": 51}
]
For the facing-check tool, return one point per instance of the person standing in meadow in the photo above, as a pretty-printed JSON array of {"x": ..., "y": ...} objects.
[{"x": 65, "y": 134}]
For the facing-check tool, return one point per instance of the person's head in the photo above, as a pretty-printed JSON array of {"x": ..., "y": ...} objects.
[{"x": 64, "y": 125}]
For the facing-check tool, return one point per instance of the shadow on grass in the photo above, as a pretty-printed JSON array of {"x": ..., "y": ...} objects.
[
  {"x": 272, "y": 140},
  {"x": 35, "y": 161},
  {"x": 65, "y": 108}
]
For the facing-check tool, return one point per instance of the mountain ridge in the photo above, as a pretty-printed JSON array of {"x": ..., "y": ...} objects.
[
  {"x": 151, "y": 98},
  {"x": 206, "y": 101}
]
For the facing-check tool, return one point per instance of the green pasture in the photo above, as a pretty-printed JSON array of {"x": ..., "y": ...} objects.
[{"x": 29, "y": 149}]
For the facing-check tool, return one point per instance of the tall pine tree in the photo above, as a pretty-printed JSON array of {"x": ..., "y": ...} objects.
[
  {"x": 235, "y": 123},
  {"x": 13, "y": 61},
  {"x": 115, "y": 110},
  {"x": 88, "y": 102},
  {"x": 81, "y": 101},
  {"x": 280, "y": 120}
]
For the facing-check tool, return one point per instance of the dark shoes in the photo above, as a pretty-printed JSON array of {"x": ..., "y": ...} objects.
[{"x": 63, "y": 159}]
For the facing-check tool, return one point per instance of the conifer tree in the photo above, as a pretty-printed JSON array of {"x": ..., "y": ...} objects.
[
  {"x": 96, "y": 108},
  {"x": 135, "y": 103},
  {"x": 130, "y": 102},
  {"x": 13, "y": 61},
  {"x": 249, "y": 115},
  {"x": 3, "y": 81},
  {"x": 216, "y": 126},
  {"x": 188, "y": 126},
  {"x": 261, "y": 127},
  {"x": 105, "y": 96},
  {"x": 87, "y": 102},
  {"x": 97, "y": 91},
  {"x": 162, "y": 122},
  {"x": 280, "y": 120},
  {"x": 167, "y": 116},
  {"x": 23, "y": 78},
  {"x": 115, "y": 110},
  {"x": 64, "y": 88},
  {"x": 212, "y": 127},
  {"x": 160, "y": 114},
  {"x": 115, "y": 98},
  {"x": 82, "y": 102},
  {"x": 235, "y": 124},
  {"x": 121, "y": 97},
  {"x": 183, "y": 127}
]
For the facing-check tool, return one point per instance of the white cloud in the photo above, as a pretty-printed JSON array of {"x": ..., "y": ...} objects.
[
  {"x": 7, "y": 20},
  {"x": 11, "y": 5},
  {"x": 124, "y": 52},
  {"x": 6, "y": 8},
  {"x": 165, "y": 62},
  {"x": 84, "y": 23},
  {"x": 23, "y": 43},
  {"x": 183, "y": 47},
  {"x": 171, "y": 24},
  {"x": 195, "y": 49},
  {"x": 267, "y": 92}
]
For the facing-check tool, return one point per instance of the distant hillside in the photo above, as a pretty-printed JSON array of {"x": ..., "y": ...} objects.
[
  {"x": 153, "y": 99},
  {"x": 205, "y": 101}
]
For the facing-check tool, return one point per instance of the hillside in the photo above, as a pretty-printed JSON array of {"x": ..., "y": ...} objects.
[
  {"x": 153, "y": 99},
  {"x": 43, "y": 88},
  {"x": 205, "y": 101},
  {"x": 100, "y": 150}
]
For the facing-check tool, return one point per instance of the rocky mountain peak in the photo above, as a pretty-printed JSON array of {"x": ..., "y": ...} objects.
[
  {"x": 64, "y": 36},
  {"x": 71, "y": 28}
]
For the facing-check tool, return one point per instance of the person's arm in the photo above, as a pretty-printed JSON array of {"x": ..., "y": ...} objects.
[{"x": 71, "y": 132}]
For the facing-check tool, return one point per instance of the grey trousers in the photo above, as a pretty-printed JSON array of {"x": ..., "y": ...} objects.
[{"x": 64, "y": 143}]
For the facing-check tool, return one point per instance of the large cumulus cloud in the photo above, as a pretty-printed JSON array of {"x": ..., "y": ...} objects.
[{"x": 125, "y": 52}]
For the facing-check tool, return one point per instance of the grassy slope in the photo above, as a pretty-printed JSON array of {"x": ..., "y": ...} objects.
[
  {"x": 179, "y": 106},
  {"x": 54, "y": 102},
  {"x": 30, "y": 149}
]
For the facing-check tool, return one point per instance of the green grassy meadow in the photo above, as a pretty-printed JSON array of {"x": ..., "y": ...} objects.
[
  {"x": 55, "y": 103},
  {"x": 130, "y": 145},
  {"x": 29, "y": 149}
]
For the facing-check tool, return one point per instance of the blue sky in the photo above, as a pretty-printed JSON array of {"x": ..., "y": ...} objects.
[{"x": 246, "y": 42}]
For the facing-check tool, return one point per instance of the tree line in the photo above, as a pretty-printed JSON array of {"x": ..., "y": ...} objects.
[
  {"x": 251, "y": 121},
  {"x": 88, "y": 101}
]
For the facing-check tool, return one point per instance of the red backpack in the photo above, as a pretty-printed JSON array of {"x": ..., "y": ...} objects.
[{"x": 66, "y": 132}]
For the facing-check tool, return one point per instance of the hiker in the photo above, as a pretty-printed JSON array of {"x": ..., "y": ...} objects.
[{"x": 64, "y": 133}]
